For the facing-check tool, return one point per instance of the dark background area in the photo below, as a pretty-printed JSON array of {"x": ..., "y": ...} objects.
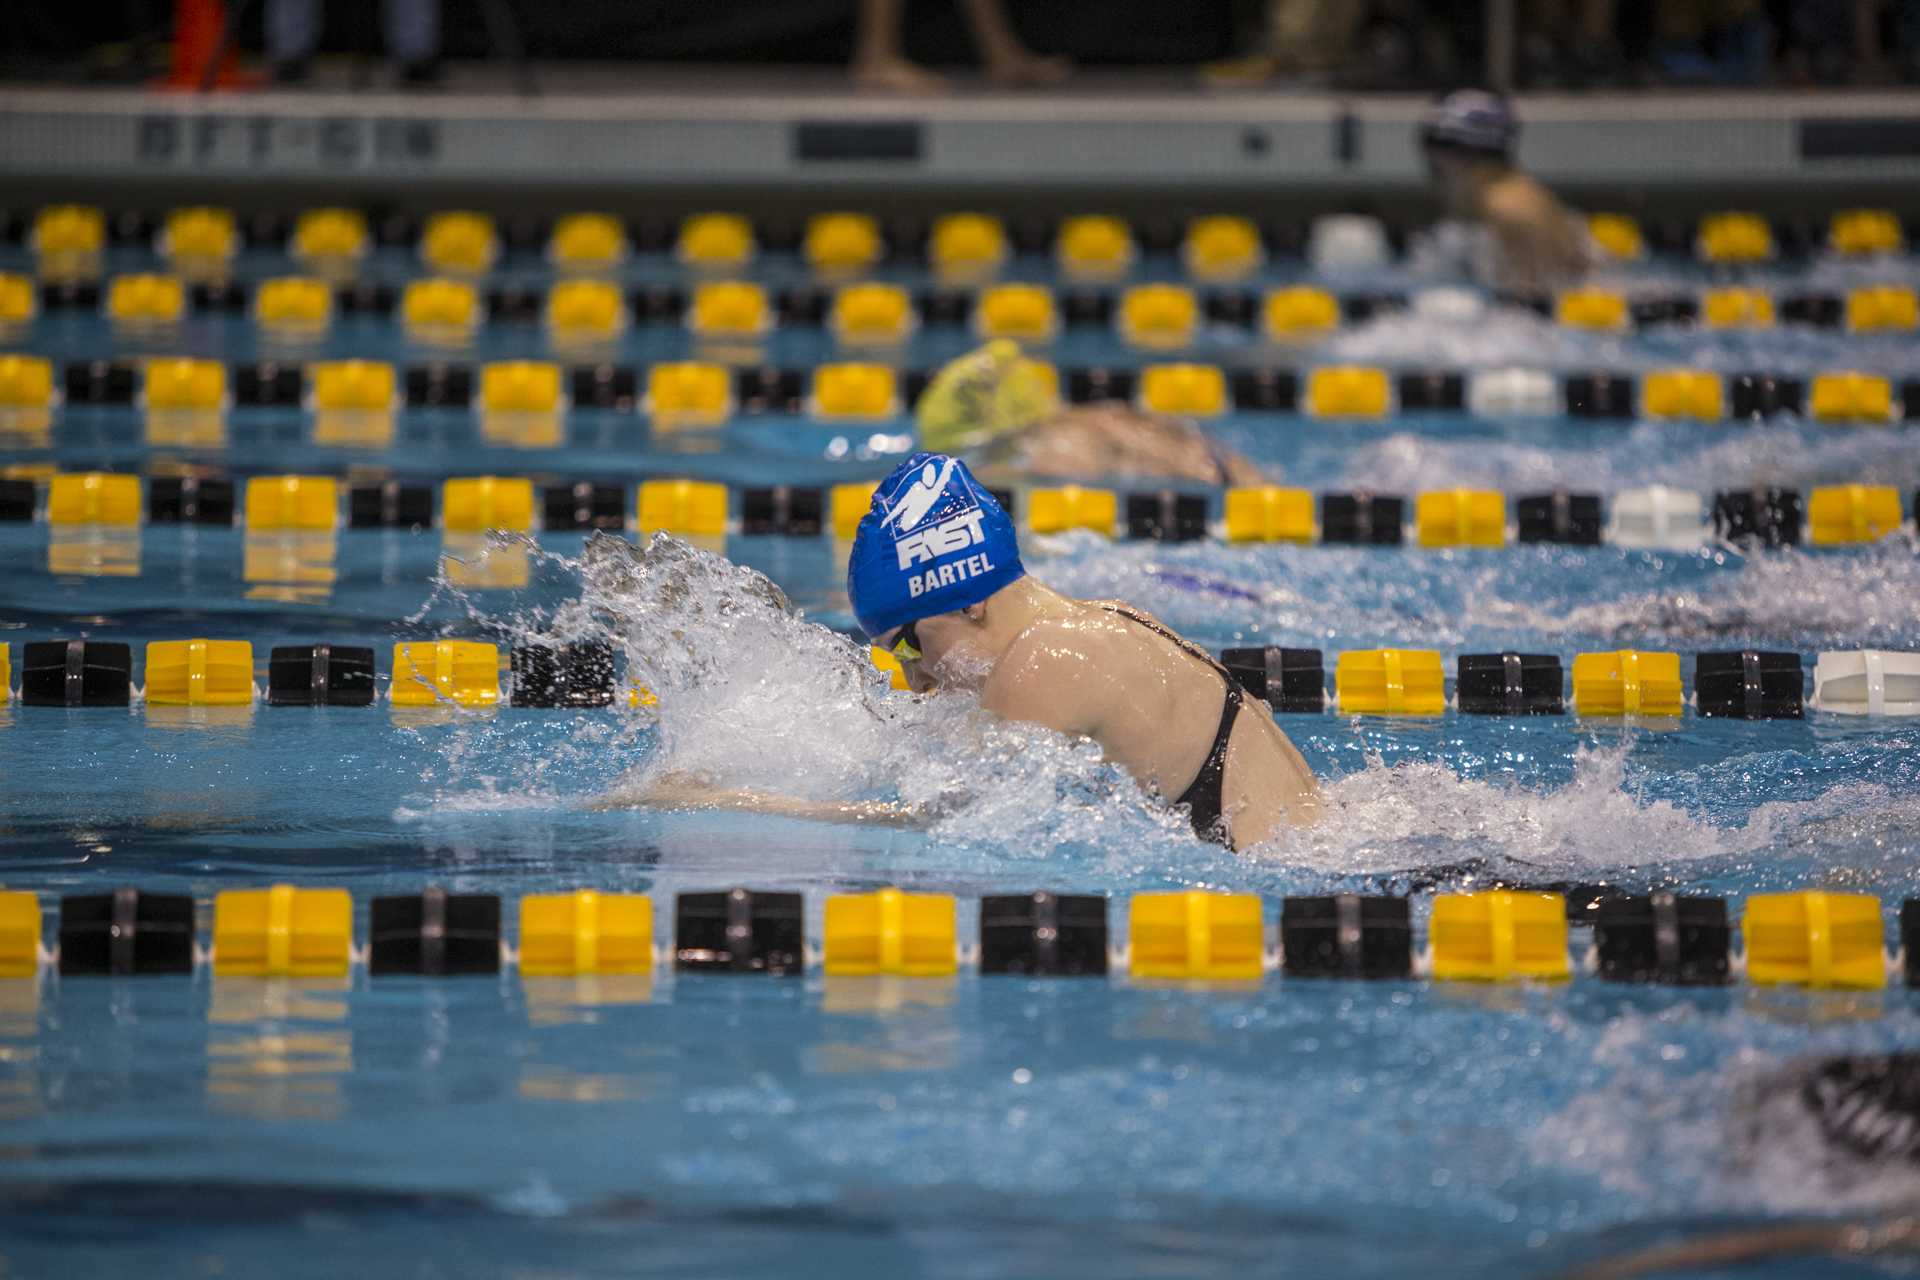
[
  {"x": 1398, "y": 46},
  {"x": 45, "y": 38}
]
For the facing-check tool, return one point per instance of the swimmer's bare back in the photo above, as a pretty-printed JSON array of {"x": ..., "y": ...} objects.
[
  {"x": 1114, "y": 439},
  {"x": 1154, "y": 708},
  {"x": 1542, "y": 244}
]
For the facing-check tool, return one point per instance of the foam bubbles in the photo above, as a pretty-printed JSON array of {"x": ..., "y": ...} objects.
[
  {"x": 754, "y": 696},
  {"x": 1551, "y": 596},
  {"x": 1682, "y": 455},
  {"x": 1405, "y": 815},
  {"x": 1718, "y": 1117},
  {"x": 1785, "y": 598},
  {"x": 1501, "y": 336}
]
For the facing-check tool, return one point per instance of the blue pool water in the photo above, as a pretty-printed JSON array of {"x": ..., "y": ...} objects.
[{"x": 973, "y": 1126}]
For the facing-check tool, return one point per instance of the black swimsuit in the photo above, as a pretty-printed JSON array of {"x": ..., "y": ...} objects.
[{"x": 1205, "y": 797}]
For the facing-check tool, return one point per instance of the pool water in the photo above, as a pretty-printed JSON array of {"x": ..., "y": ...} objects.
[{"x": 684, "y": 1124}]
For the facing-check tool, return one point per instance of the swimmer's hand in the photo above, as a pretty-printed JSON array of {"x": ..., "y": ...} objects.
[{"x": 679, "y": 790}]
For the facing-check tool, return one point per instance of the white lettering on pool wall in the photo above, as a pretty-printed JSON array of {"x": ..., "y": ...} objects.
[
  {"x": 291, "y": 142},
  {"x": 948, "y": 536},
  {"x": 918, "y": 584}
]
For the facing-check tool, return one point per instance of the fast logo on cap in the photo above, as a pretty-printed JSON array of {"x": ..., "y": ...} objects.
[
  {"x": 930, "y": 495},
  {"x": 932, "y": 542},
  {"x": 909, "y": 507}
]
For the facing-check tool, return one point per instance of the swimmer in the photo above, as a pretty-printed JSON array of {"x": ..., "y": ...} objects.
[
  {"x": 1537, "y": 242},
  {"x": 993, "y": 405},
  {"x": 936, "y": 579}
]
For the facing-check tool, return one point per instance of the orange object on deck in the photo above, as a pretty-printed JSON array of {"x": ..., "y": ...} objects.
[{"x": 196, "y": 39}]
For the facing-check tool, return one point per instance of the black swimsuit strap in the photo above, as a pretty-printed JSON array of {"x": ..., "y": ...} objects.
[
  {"x": 1181, "y": 642},
  {"x": 1205, "y": 796}
]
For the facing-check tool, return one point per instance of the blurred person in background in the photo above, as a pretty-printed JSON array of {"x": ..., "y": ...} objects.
[
  {"x": 1354, "y": 44},
  {"x": 1530, "y": 240},
  {"x": 1570, "y": 42},
  {"x": 1303, "y": 40},
  {"x": 880, "y": 61},
  {"x": 1712, "y": 41},
  {"x": 1906, "y": 35},
  {"x": 411, "y": 29},
  {"x": 1845, "y": 41}
]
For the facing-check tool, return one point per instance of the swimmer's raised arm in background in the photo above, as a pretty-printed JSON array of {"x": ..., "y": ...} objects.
[{"x": 1469, "y": 140}]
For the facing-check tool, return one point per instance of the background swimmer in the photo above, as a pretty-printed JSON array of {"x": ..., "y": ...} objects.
[
  {"x": 936, "y": 578},
  {"x": 993, "y": 405},
  {"x": 1536, "y": 242}
]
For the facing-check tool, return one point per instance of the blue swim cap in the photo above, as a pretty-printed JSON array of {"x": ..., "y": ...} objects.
[
  {"x": 1471, "y": 120},
  {"x": 933, "y": 542}
]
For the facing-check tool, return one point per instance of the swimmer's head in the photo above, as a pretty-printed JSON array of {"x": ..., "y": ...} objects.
[
  {"x": 1470, "y": 123},
  {"x": 933, "y": 542},
  {"x": 982, "y": 396}
]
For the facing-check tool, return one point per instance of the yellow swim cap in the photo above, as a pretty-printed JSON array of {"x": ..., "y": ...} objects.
[{"x": 983, "y": 395}]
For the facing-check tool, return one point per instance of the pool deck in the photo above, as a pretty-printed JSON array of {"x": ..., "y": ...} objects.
[{"x": 671, "y": 130}]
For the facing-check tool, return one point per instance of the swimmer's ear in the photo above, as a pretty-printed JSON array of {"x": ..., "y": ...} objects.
[{"x": 976, "y": 613}]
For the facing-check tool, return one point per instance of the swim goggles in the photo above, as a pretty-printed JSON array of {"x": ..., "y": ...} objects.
[{"x": 906, "y": 645}]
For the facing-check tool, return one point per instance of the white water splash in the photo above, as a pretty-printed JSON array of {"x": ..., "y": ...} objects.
[
  {"x": 753, "y": 696},
  {"x": 1600, "y": 823},
  {"x": 1378, "y": 816},
  {"x": 1707, "y": 1107},
  {"x": 1506, "y": 336},
  {"x": 1867, "y": 598},
  {"x": 1502, "y": 336},
  {"x": 1456, "y": 600},
  {"x": 1679, "y": 455},
  {"x": 1783, "y": 1158}
]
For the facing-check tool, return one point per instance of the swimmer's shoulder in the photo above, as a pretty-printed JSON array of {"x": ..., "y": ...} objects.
[
  {"x": 1518, "y": 195},
  {"x": 1090, "y": 645},
  {"x": 1047, "y": 643},
  {"x": 1055, "y": 672}
]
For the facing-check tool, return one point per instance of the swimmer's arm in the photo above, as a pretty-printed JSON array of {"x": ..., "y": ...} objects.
[
  {"x": 1538, "y": 237},
  {"x": 682, "y": 791}
]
